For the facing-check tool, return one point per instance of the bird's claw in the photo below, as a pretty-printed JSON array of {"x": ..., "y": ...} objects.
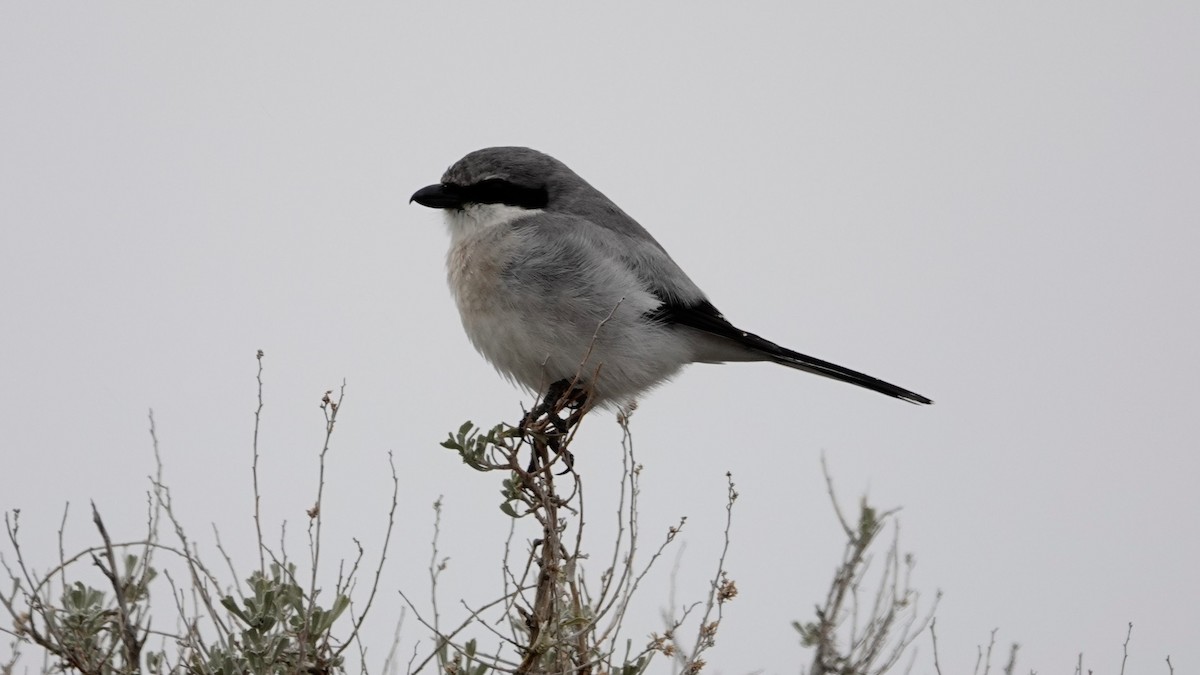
[{"x": 559, "y": 396}]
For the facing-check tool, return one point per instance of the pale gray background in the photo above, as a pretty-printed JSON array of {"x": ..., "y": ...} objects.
[{"x": 994, "y": 205}]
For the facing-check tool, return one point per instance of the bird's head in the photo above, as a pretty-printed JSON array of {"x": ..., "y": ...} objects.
[{"x": 505, "y": 176}]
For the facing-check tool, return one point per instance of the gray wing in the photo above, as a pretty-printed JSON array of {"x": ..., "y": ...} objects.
[{"x": 582, "y": 247}]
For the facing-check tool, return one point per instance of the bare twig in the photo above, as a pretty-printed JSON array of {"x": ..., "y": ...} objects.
[
  {"x": 1125, "y": 647},
  {"x": 721, "y": 589},
  {"x": 262, "y": 561},
  {"x": 130, "y": 641},
  {"x": 629, "y": 580},
  {"x": 629, "y": 488},
  {"x": 330, "y": 408},
  {"x": 446, "y": 640},
  {"x": 62, "y": 526},
  {"x": 987, "y": 661},
  {"x": 390, "y": 665},
  {"x": 837, "y": 508},
  {"x": 387, "y": 538},
  {"x": 937, "y": 666},
  {"x": 435, "y": 567},
  {"x": 196, "y": 568},
  {"x": 228, "y": 560},
  {"x": 1011, "y": 665}
]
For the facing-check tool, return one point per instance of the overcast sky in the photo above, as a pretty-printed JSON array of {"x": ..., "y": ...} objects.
[{"x": 995, "y": 205}]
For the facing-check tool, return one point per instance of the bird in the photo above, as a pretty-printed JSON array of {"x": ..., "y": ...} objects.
[{"x": 558, "y": 287}]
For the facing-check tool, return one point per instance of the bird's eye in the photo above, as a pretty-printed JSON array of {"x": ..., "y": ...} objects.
[{"x": 500, "y": 191}]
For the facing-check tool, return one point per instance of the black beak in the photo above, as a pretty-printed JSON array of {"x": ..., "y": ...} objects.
[{"x": 439, "y": 196}]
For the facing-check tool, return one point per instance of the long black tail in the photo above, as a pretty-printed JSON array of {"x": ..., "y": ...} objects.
[
  {"x": 809, "y": 364},
  {"x": 704, "y": 317}
]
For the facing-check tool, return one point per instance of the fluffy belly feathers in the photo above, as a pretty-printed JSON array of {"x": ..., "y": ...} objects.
[{"x": 508, "y": 325}]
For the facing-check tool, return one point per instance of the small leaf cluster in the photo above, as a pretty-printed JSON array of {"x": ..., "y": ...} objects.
[
  {"x": 479, "y": 450},
  {"x": 492, "y": 451},
  {"x": 464, "y": 661},
  {"x": 87, "y": 630},
  {"x": 282, "y": 630},
  {"x": 810, "y": 633}
]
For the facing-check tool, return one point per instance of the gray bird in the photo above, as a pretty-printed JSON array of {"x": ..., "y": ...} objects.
[{"x": 555, "y": 282}]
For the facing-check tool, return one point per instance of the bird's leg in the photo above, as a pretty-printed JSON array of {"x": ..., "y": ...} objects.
[
  {"x": 537, "y": 450},
  {"x": 576, "y": 402},
  {"x": 561, "y": 395},
  {"x": 545, "y": 409},
  {"x": 546, "y": 405}
]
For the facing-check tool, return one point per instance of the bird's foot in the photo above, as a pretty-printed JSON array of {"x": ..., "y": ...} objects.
[{"x": 546, "y": 424}]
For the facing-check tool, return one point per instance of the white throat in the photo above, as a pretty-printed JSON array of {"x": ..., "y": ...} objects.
[{"x": 475, "y": 218}]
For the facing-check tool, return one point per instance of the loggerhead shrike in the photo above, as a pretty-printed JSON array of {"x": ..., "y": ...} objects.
[{"x": 555, "y": 282}]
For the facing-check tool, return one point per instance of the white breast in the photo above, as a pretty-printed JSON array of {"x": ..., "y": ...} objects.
[{"x": 481, "y": 247}]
